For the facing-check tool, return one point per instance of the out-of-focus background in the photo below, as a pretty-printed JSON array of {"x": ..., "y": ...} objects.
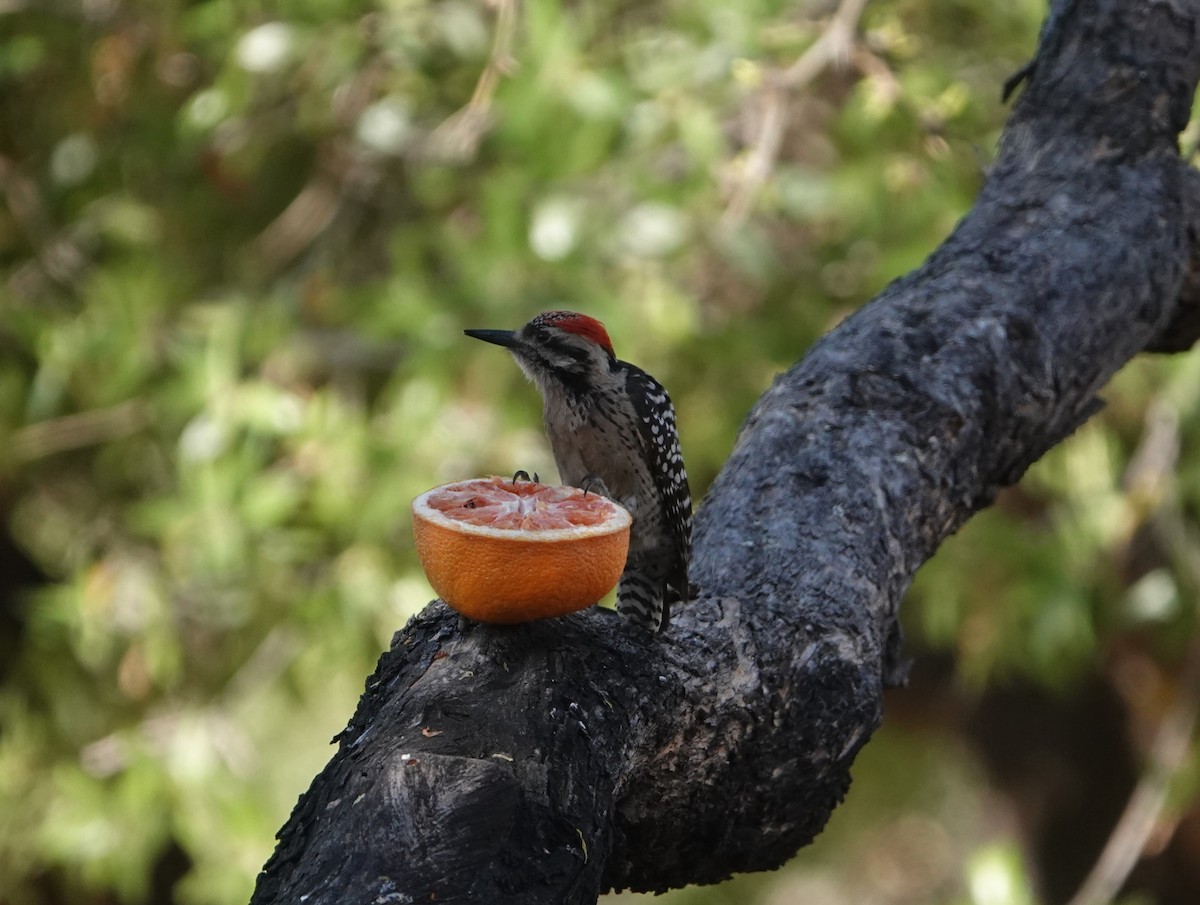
[{"x": 238, "y": 246}]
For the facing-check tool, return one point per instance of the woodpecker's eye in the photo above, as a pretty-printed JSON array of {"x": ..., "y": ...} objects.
[{"x": 541, "y": 334}]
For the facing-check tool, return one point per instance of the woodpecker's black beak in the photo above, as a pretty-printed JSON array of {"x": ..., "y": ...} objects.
[{"x": 506, "y": 338}]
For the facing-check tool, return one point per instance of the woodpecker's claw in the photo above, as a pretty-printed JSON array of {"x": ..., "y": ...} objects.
[
  {"x": 595, "y": 483},
  {"x": 522, "y": 475}
]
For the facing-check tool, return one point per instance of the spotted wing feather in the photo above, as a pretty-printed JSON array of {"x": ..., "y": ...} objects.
[{"x": 656, "y": 423}]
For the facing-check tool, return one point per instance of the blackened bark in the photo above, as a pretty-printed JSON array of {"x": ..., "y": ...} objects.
[
  {"x": 547, "y": 762},
  {"x": 1183, "y": 329}
]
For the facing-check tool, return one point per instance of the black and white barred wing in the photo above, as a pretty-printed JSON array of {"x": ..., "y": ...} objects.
[{"x": 660, "y": 437}]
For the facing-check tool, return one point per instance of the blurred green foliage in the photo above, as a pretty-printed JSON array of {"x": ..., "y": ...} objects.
[{"x": 239, "y": 243}]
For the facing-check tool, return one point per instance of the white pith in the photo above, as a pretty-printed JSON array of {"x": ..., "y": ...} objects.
[{"x": 620, "y": 520}]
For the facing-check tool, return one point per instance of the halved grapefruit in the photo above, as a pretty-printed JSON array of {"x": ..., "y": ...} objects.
[{"x": 504, "y": 551}]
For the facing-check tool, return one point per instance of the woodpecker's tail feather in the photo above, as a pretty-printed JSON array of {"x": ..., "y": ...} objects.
[
  {"x": 640, "y": 598},
  {"x": 679, "y": 589}
]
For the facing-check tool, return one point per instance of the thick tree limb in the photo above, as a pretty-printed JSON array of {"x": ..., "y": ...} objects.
[
  {"x": 547, "y": 762},
  {"x": 1183, "y": 329}
]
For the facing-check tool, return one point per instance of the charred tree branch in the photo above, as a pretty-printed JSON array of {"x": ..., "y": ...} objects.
[
  {"x": 1183, "y": 329},
  {"x": 547, "y": 762}
]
